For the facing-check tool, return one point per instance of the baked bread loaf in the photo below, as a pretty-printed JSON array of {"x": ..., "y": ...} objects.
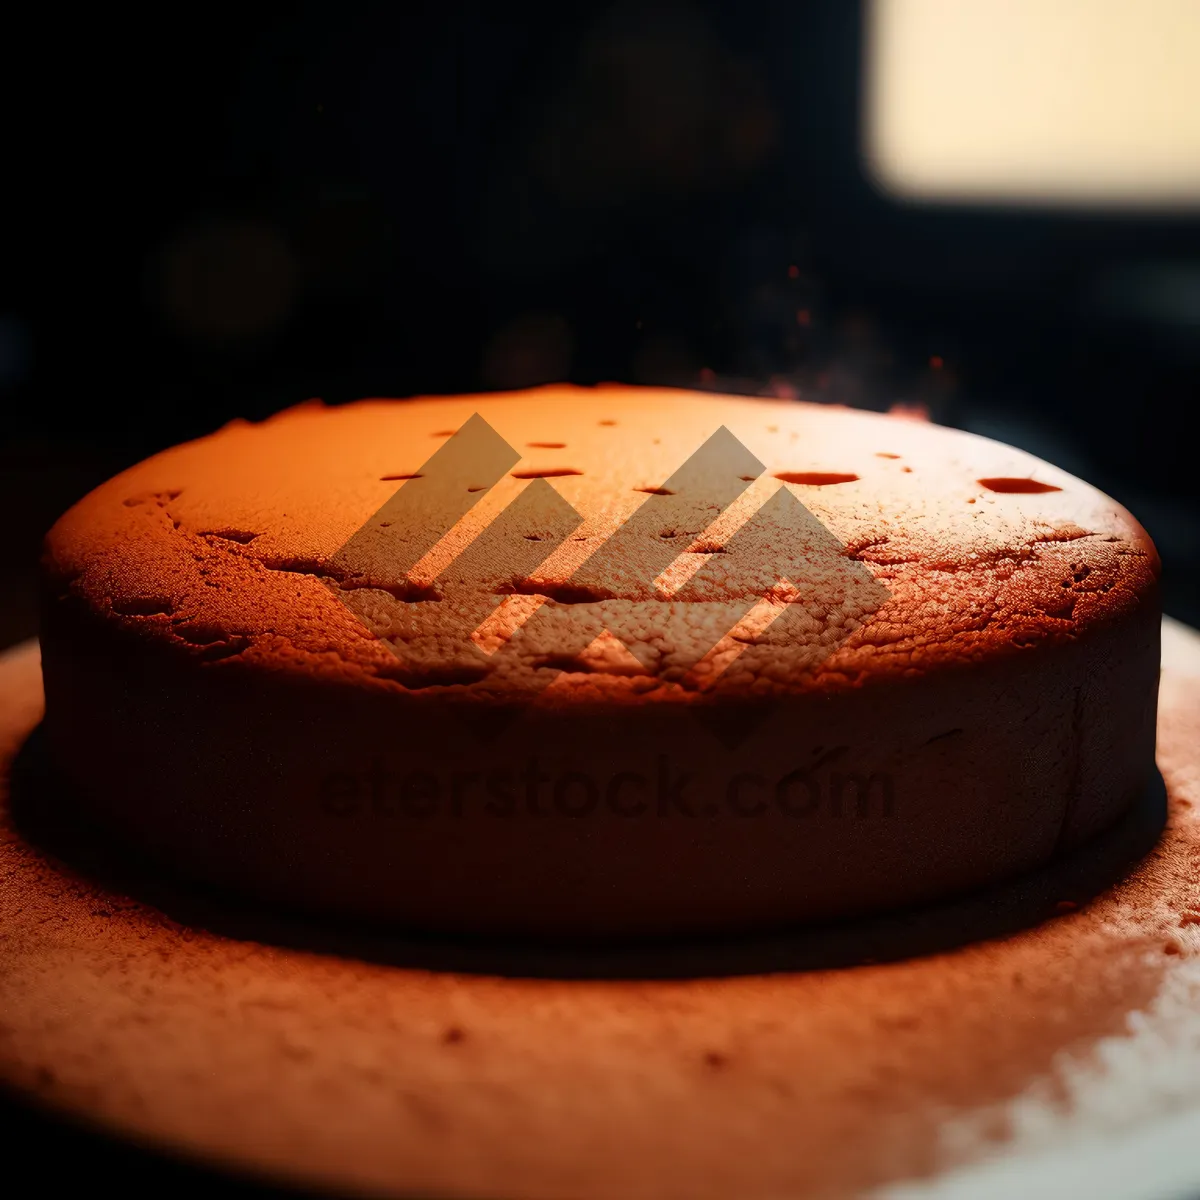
[{"x": 600, "y": 661}]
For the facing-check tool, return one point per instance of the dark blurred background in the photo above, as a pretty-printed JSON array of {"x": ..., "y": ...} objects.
[{"x": 223, "y": 210}]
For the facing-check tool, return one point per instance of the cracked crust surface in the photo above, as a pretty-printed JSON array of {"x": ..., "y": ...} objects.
[
  {"x": 600, "y": 661},
  {"x": 233, "y": 548}
]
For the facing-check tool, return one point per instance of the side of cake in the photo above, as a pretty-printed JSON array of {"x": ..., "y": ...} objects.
[{"x": 600, "y": 661}]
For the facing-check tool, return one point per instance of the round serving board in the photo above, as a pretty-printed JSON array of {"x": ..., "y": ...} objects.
[{"x": 1038, "y": 1039}]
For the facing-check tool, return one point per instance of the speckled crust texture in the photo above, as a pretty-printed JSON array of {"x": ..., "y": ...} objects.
[
  {"x": 240, "y": 678},
  {"x": 220, "y": 548}
]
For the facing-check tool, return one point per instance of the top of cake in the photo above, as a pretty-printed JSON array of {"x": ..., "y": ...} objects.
[{"x": 611, "y": 541}]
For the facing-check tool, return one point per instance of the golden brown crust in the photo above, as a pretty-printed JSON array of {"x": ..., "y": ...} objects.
[
  {"x": 225, "y": 550},
  {"x": 850, "y": 663}
]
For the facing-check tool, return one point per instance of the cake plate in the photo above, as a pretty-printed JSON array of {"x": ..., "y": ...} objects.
[{"x": 1041, "y": 1038}]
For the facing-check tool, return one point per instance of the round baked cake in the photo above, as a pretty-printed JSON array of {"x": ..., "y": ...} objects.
[{"x": 600, "y": 661}]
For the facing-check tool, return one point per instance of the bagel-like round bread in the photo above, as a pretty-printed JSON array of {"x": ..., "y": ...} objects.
[{"x": 600, "y": 661}]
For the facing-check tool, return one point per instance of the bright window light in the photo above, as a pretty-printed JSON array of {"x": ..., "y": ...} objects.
[{"x": 1077, "y": 102}]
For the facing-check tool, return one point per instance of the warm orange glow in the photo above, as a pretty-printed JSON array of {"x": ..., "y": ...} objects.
[{"x": 909, "y": 412}]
